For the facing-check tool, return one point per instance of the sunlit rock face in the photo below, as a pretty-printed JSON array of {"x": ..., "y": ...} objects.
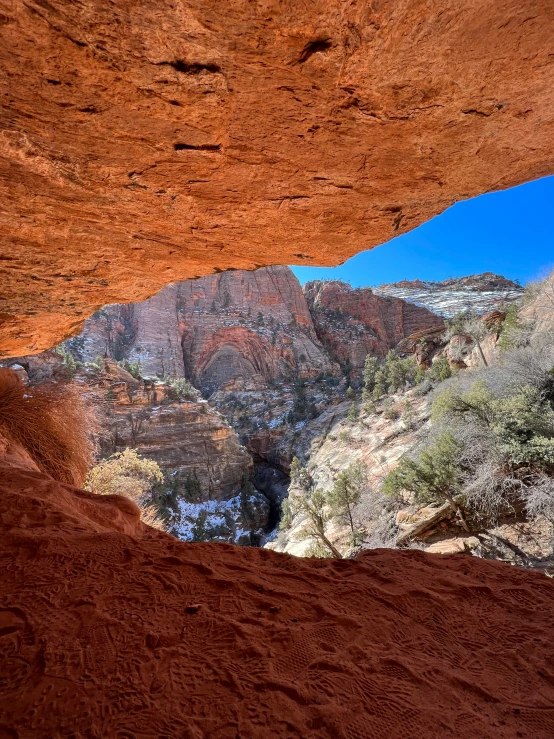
[
  {"x": 212, "y": 330},
  {"x": 352, "y": 323},
  {"x": 145, "y": 142}
]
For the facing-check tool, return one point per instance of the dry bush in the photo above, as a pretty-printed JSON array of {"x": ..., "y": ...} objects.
[
  {"x": 150, "y": 515},
  {"x": 539, "y": 497},
  {"x": 124, "y": 473},
  {"x": 54, "y": 423},
  {"x": 127, "y": 473}
]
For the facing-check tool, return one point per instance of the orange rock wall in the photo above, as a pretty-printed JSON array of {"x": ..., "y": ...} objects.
[{"x": 144, "y": 142}]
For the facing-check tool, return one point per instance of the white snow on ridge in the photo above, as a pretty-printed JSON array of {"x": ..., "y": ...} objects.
[{"x": 449, "y": 302}]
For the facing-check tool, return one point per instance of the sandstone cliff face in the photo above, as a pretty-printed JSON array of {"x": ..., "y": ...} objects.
[
  {"x": 352, "y": 323},
  {"x": 144, "y": 143},
  {"x": 211, "y": 330},
  {"x": 207, "y": 468},
  {"x": 185, "y": 437}
]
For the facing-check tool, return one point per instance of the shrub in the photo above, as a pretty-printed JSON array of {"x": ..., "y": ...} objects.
[
  {"x": 440, "y": 370},
  {"x": 522, "y": 424},
  {"x": 409, "y": 415},
  {"x": 133, "y": 368},
  {"x": 392, "y": 412},
  {"x": 512, "y": 332},
  {"x": 394, "y": 375},
  {"x": 53, "y": 423},
  {"x": 436, "y": 474},
  {"x": 352, "y": 415},
  {"x": 420, "y": 375},
  {"x": 182, "y": 389},
  {"x": 368, "y": 405},
  {"x": 69, "y": 363},
  {"x": 126, "y": 473}
]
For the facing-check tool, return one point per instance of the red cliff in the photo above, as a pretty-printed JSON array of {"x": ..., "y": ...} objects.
[
  {"x": 213, "y": 329},
  {"x": 352, "y": 323}
]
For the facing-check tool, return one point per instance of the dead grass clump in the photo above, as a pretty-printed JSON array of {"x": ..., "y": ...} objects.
[{"x": 53, "y": 423}]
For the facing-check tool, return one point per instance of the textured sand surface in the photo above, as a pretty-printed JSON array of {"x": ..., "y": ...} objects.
[{"x": 111, "y": 629}]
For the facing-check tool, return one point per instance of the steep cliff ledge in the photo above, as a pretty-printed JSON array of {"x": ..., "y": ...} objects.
[
  {"x": 147, "y": 142},
  {"x": 352, "y": 323}
]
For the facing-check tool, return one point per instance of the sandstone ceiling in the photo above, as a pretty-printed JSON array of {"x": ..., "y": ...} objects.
[{"x": 146, "y": 141}]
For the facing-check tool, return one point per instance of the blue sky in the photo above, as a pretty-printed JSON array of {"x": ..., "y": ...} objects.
[{"x": 508, "y": 232}]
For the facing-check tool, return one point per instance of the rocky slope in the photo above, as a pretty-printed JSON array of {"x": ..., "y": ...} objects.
[
  {"x": 106, "y": 624},
  {"x": 378, "y": 438},
  {"x": 352, "y": 323},
  {"x": 207, "y": 468},
  {"x": 144, "y": 143},
  {"x": 538, "y": 308},
  {"x": 479, "y": 293}
]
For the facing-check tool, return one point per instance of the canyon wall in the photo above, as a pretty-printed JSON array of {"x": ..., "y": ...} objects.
[
  {"x": 144, "y": 142},
  {"x": 352, "y": 323},
  {"x": 183, "y": 435},
  {"x": 212, "y": 330},
  {"x": 478, "y": 293}
]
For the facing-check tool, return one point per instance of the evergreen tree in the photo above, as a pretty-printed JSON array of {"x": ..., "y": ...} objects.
[
  {"x": 352, "y": 413},
  {"x": 313, "y": 503},
  {"x": 200, "y": 530},
  {"x": 347, "y": 492},
  {"x": 371, "y": 366}
]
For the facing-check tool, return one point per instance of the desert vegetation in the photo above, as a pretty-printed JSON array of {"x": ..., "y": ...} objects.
[
  {"x": 52, "y": 422},
  {"x": 319, "y": 508},
  {"x": 127, "y": 473}
]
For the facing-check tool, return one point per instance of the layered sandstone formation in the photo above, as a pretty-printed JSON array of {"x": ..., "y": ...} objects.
[
  {"x": 105, "y": 624},
  {"x": 352, "y": 323},
  {"x": 184, "y": 436},
  {"x": 206, "y": 494},
  {"x": 212, "y": 330},
  {"x": 146, "y": 142},
  {"x": 207, "y": 469},
  {"x": 478, "y": 293}
]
